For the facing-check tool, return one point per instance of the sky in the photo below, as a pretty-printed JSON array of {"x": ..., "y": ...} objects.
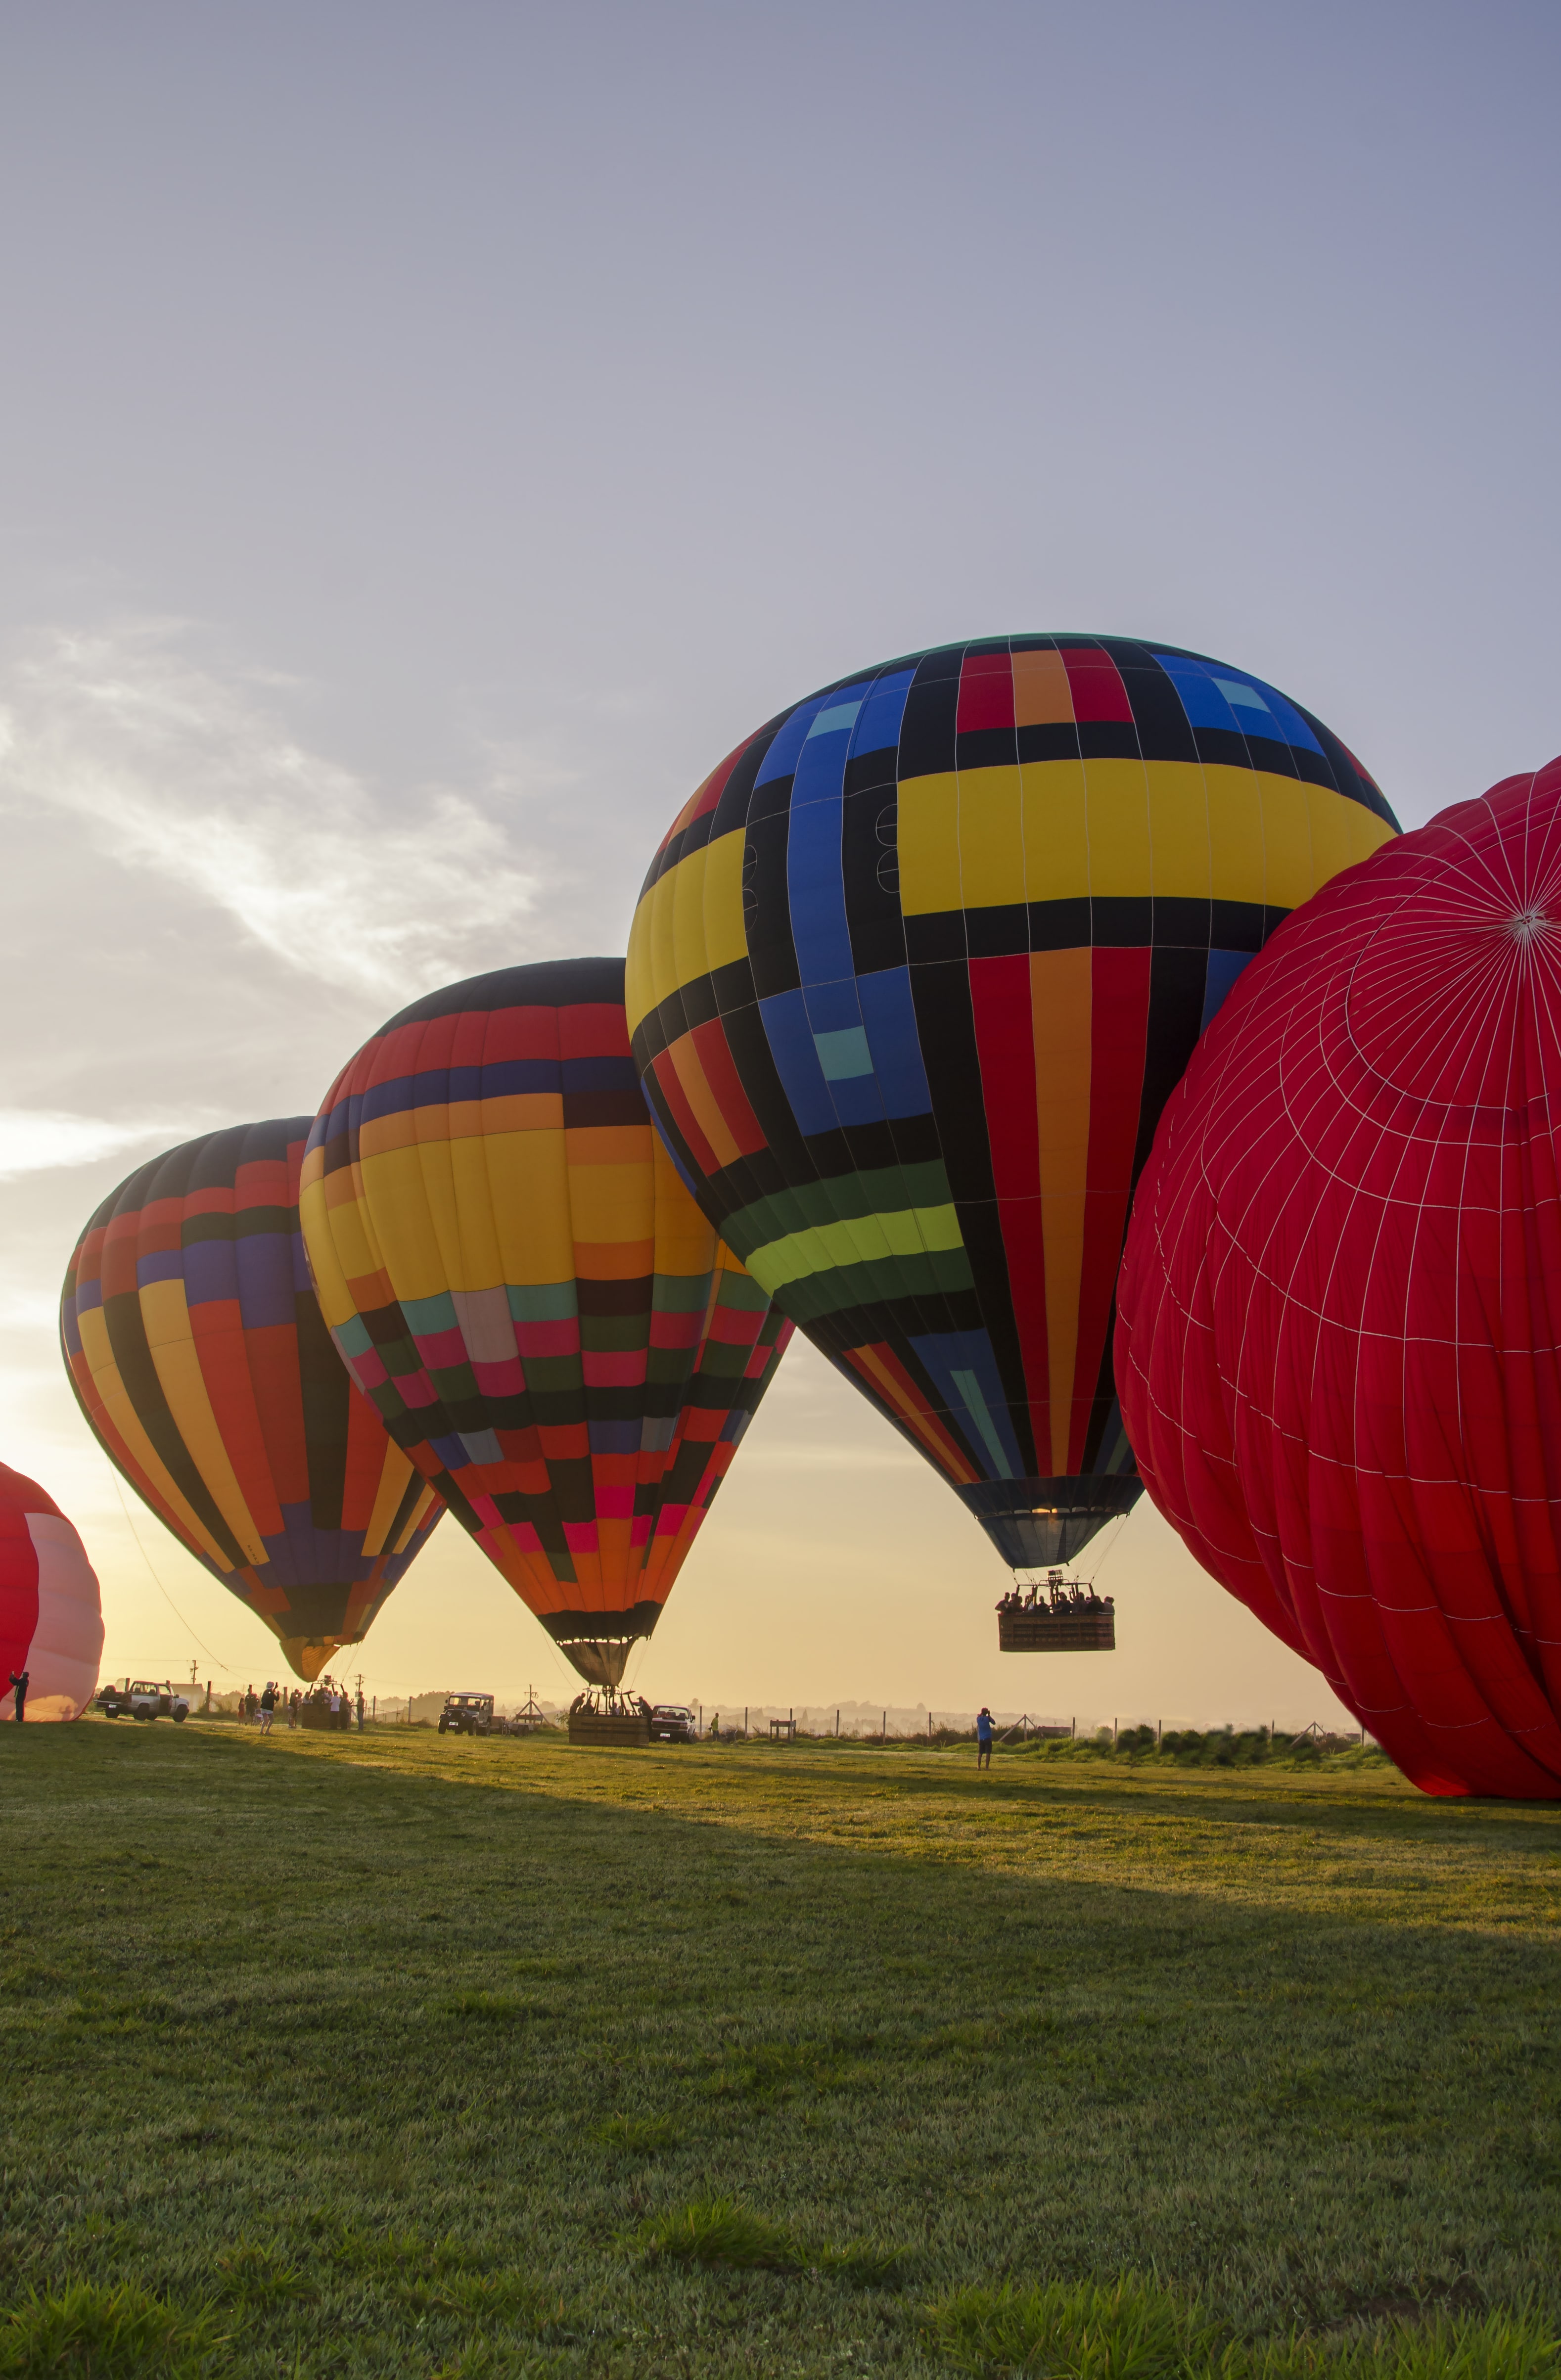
[{"x": 431, "y": 436}]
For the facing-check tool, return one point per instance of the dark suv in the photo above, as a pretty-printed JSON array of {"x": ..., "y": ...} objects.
[{"x": 470, "y": 1714}]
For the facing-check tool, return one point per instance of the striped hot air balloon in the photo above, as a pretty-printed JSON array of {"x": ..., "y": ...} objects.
[
  {"x": 910, "y": 979},
  {"x": 198, "y": 1354},
  {"x": 518, "y": 1278}
]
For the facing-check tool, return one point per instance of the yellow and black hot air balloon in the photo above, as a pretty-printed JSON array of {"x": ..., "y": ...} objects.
[
  {"x": 516, "y": 1275},
  {"x": 911, "y": 979}
]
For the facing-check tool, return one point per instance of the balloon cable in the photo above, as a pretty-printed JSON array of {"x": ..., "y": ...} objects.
[
  {"x": 226, "y": 1665},
  {"x": 1112, "y": 1544}
]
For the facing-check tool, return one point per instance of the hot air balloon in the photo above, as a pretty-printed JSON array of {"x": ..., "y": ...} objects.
[
  {"x": 51, "y": 1618},
  {"x": 196, "y": 1349},
  {"x": 908, "y": 982},
  {"x": 1338, "y": 1335},
  {"x": 516, "y": 1275}
]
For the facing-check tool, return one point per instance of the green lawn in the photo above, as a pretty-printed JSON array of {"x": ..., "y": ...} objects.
[{"x": 396, "y": 2054}]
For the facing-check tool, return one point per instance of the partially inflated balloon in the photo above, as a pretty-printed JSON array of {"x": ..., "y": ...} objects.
[
  {"x": 199, "y": 1357},
  {"x": 909, "y": 980},
  {"x": 1339, "y": 1341},
  {"x": 518, "y": 1278},
  {"x": 50, "y": 1618}
]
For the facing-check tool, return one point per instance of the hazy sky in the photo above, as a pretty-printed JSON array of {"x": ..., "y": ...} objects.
[{"x": 430, "y": 436}]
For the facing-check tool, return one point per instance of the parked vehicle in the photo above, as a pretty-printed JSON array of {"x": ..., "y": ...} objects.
[
  {"x": 470, "y": 1715},
  {"x": 144, "y": 1698},
  {"x": 673, "y": 1723}
]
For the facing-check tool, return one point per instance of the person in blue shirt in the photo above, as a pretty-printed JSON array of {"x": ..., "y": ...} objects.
[{"x": 983, "y": 1738}]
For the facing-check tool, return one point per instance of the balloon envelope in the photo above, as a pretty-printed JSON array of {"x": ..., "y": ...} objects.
[
  {"x": 909, "y": 980},
  {"x": 518, "y": 1278},
  {"x": 1337, "y": 1339},
  {"x": 51, "y": 1617},
  {"x": 197, "y": 1351}
]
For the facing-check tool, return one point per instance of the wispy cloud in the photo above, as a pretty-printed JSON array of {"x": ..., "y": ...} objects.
[
  {"x": 190, "y": 773},
  {"x": 39, "y": 1140}
]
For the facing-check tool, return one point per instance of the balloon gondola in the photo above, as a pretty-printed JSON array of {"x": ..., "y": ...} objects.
[
  {"x": 197, "y": 1352},
  {"x": 909, "y": 980},
  {"x": 1060, "y": 1615}
]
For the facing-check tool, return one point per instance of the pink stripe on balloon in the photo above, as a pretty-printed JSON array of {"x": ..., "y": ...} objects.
[
  {"x": 614, "y": 1503},
  {"x": 619, "y": 1368},
  {"x": 440, "y": 1349},
  {"x": 580, "y": 1537},
  {"x": 549, "y": 1338},
  {"x": 675, "y": 1330},
  {"x": 506, "y": 1380}
]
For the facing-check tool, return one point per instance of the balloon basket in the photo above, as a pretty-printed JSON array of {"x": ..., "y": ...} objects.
[
  {"x": 612, "y": 1721},
  {"x": 1036, "y": 1632}
]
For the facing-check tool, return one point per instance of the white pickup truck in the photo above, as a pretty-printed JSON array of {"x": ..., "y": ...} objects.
[{"x": 144, "y": 1698}]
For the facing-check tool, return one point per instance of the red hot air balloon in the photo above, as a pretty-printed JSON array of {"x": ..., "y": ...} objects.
[
  {"x": 1340, "y": 1303},
  {"x": 51, "y": 1620}
]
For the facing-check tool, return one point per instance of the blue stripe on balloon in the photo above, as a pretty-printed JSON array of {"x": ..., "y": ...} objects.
[
  {"x": 1208, "y": 703},
  {"x": 878, "y": 723},
  {"x": 613, "y": 1436},
  {"x": 209, "y": 1270},
  {"x": 888, "y": 1015},
  {"x": 787, "y": 744},
  {"x": 964, "y": 1368},
  {"x": 302, "y": 1555},
  {"x": 797, "y": 1061},
  {"x": 1224, "y": 968},
  {"x": 166, "y": 1264},
  {"x": 264, "y": 1264}
]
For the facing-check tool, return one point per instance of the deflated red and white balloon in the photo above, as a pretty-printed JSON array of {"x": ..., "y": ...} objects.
[{"x": 51, "y": 1616}]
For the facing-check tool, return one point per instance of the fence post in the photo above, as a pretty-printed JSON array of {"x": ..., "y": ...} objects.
[{"x": 1073, "y": 1729}]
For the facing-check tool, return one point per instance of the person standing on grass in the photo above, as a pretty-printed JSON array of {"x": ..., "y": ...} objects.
[
  {"x": 983, "y": 1738},
  {"x": 20, "y": 1685},
  {"x": 267, "y": 1706}
]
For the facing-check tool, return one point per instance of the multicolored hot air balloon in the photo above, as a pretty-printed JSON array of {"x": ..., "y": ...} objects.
[
  {"x": 198, "y": 1356},
  {"x": 50, "y": 1618},
  {"x": 909, "y": 980},
  {"x": 1339, "y": 1341},
  {"x": 516, "y": 1277}
]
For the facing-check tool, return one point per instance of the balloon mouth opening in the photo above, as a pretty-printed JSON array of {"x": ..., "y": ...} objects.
[
  {"x": 1035, "y": 1524},
  {"x": 307, "y": 1656},
  {"x": 599, "y": 1643},
  {"x": 601, "y": 1660}
]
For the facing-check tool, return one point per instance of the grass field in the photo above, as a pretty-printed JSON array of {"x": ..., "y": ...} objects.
[{"x": 396, "y": 2054}]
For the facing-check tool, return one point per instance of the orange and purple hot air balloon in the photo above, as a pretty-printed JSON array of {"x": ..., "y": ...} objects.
[{"x": 198, "y": 1354}]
